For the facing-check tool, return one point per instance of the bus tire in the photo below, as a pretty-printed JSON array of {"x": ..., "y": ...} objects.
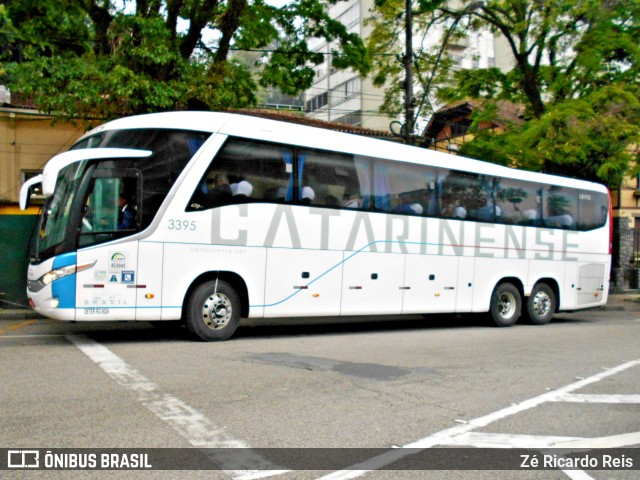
[
  {"x": 541, "y": 304},
  {"x": 506, "y": 305},
  {"x": 213, "y": 311}
]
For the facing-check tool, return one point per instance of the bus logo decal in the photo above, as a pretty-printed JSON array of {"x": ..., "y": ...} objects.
[{"x": 118, "y": 261}]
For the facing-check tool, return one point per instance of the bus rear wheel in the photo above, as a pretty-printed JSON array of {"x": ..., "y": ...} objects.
[
  {"x": 213, "y": 311},
  {"x": 541, "y": 304},
  {"x": 506, "y": 305}
]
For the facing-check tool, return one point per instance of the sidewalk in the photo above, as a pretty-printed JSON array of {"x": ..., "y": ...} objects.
[{"x": 629, "y": 302}]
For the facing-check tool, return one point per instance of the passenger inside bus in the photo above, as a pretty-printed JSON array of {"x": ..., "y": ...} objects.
[
  {"x": 241, "y": 191},
  {"x": 126, "y": 213},
  {"x": 307, "y": 196}
]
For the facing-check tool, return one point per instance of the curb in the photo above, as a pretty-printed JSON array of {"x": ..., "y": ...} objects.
[{"x": 20, "y": 315}]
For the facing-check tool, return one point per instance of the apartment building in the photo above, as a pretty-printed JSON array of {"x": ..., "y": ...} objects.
[{"x": 343, "y": 96}]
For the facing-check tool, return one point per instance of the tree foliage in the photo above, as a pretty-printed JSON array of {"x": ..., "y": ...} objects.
[
  {"x": 99, "y": 58},
  {"x": 575, "y": 68}
]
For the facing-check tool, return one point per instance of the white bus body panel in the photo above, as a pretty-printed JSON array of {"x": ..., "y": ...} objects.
[
  {"x": 372, "y": 283},
  {"x": 431, "y": 284},
  {"x": 108, "y": 289},
  {"x": 302, "y": 282},
  {"x": 149, "y": 281}
]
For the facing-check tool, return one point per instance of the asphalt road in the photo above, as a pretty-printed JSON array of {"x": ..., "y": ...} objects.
[{"x": 421, "y": 383}]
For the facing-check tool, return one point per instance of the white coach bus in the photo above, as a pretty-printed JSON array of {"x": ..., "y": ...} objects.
[{"x": 208, "y": 218}]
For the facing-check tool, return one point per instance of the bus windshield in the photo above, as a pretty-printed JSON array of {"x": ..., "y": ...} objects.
[
  {"x": 56, "y": 212},
  {"x": 75, "y": 217}
]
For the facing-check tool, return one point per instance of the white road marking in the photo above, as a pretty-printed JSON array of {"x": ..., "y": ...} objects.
[
  {"x": 577, "y": 475},
  {"x": 507, "y": 440},
  {"x": 445, "y": 437},
  {"x": 614, "y": 441},
  {"x": 594, "y": 398},
  {"x": 186, "y": 420}
]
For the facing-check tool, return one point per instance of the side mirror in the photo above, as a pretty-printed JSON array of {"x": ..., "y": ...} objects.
[{"x": 25, "y": 190}]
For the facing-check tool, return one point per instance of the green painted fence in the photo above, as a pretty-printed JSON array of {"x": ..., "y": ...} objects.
[{"x": 15, "y": 231}]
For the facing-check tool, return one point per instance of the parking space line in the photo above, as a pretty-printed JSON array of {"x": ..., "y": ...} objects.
[
  {"x": 507, "y": 440},
  {"x": 613, "y": 441},
  {"x": 445, "y": 437},
  {"x": 596, "y": 398},
  {"x": 184, "y": 419}
]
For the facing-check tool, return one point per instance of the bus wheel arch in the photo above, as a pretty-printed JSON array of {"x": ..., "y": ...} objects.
[
  {"x": 543, "y": 302},
  {"x": 506, "y": 302},
  {"x": 231, "y": 278},
  {"x": 214, "y": 304}
]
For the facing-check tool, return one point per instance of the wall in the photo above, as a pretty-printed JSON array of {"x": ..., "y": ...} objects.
[
  {"x": 626, "y": 209},
  {"x": 27, "y": 141}
]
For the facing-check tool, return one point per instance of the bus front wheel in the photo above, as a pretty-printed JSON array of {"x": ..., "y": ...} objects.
[
  {"x": 213, "y": 311},
  {"x": 506, "y": 305},
  {"x": 541, "y": 304}
]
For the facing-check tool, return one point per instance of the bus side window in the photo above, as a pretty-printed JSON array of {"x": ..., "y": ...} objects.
[
  {"x": 246, "y": 171},
  {"x": 518, "y": 202},
  {"x": 464, "y": 195},
  {"x": 110, "y": 209},
  {"x": 593, "y": 208},
  {"x": 407, "y": 189},
  {"x": 330, "y": 179},
  {"x": 560, "y": 207}
]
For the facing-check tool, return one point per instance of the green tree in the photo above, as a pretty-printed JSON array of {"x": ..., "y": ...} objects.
[
  {"x": 593, "y": 137},
  {"x": 87, "y": 58},
  {"x": 576, "y": 71}
]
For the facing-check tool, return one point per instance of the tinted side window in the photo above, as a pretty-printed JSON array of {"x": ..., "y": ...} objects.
[
  {"x": 333, "y": 179},
  {"x": 466, "y": 196},
  {"x": 517, "y": 202},
  {"x": 560, "y": 207},
  {"x": 593, "y": 208},
  {"x": 111, "y": 207},
  {"x": 245, "y": 171},
  {"x": 401, "y": 188}
]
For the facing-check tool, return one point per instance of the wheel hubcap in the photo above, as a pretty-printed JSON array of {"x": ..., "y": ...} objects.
[
  {"x": 541, "y": 304},
  {"x": 216, "y": 311},
  {"x": 506, "y": 305}
]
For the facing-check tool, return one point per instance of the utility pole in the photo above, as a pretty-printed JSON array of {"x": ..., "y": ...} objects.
[{"x": 409, "y": 120}]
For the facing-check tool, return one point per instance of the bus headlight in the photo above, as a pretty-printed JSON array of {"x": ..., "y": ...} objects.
[{"x": 49, "y": 277}]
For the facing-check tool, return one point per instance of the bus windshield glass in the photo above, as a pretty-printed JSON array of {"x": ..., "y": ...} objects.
[
  {"x": 57, "y": 212},
  {"x": 144, "y": 182}
]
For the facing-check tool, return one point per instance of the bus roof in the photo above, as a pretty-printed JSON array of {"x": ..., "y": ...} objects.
[{"x": 248, "y": 126}]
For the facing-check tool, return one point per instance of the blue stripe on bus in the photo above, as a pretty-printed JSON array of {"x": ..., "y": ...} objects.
[
  {"x": 64, "y": 289},
  {"x": 332, "y": 268}
]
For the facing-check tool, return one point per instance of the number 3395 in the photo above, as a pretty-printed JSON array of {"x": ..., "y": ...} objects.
[{"x": 184, "y": 225}]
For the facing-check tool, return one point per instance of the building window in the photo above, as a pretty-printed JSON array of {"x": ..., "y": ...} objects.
[
  {"x": 345, "y": 91},
  {"x": 460, "y": 127},
  {"x": 350, "y": 17},
  {"x": 317, "y": 102},
  {"x": 353, "y": 118}
]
